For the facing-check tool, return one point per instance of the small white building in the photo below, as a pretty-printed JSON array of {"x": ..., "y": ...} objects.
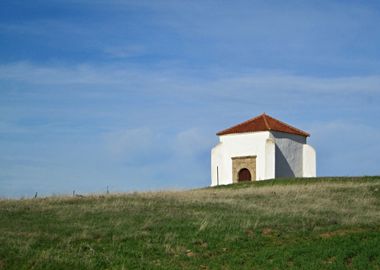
[{"x": 261, "y": 148}]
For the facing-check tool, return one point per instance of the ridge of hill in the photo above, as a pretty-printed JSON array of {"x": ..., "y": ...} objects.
[{"x": 321, "y": 223}]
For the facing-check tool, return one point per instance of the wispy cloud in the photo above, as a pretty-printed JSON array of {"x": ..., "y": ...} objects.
[
  {"x": 124, "y": 51},
  {"x": 217, "y": 81},
  {"x": 191, "y": 143},
  {"x": 137, "y": 147},
  {"x": 143, "y": 146},
  {"x": 342, "y": 142}
]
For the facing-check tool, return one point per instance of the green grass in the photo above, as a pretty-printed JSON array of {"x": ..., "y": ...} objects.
[{"x": 325, "y": 223}]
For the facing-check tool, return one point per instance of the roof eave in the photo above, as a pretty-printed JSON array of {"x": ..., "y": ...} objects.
[{"x": 222, "y": 133}]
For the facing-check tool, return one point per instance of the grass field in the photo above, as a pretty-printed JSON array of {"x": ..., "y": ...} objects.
[{"x": 330, "y": 223}]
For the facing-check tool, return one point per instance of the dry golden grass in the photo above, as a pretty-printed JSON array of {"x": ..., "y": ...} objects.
[
  {"x": 194, "y": 229},
  {"x": 349, "y": 203}
]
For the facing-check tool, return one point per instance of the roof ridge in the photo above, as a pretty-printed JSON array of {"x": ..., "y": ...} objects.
[
  {"x": 299, "y": 130},
  {"x": 265, "y": 121}
]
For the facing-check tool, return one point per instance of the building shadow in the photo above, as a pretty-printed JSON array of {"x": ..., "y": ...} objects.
[{"x": 283, "y": 168}]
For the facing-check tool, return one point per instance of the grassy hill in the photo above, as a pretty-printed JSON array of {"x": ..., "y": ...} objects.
[{"x": 330, "y": 223}]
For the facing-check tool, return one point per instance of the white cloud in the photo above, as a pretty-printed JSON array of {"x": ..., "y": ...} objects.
[
  {"x": 174, "y": 80},
  {"x": 149, "y": 158},
  {"x": 124, "y": 51},
  {"x": 131, "y": 143},
  {"x": 144, "y": 148},
  {"x": 191, "y": 142},
  {"x": 346, "y": 147}
]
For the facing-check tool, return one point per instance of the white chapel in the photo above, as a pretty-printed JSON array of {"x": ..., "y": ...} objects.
[{"x": 261, "y": 148}]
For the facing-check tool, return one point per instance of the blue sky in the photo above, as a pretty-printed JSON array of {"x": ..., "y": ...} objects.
[{"x": 130, "y": 94}]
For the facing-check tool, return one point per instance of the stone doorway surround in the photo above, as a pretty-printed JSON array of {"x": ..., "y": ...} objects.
[{"x": 244, "y": 162}]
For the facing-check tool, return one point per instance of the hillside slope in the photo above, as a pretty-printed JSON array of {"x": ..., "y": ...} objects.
[{"x": 307, "y": 224}]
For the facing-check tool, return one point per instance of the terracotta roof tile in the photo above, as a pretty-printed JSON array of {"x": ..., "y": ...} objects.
[{"x": 263, "y": 122}]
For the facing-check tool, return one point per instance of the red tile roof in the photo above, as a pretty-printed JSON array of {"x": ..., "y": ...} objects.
[{"x": 263, "y": 122}]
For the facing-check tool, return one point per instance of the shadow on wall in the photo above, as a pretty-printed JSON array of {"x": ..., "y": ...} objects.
[{"x": 283, "y": 168}]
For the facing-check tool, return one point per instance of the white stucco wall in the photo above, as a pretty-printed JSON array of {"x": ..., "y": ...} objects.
[
  {"x": 309, "y": 161},
  {"x": 270, "y": 159},
  {"x": 217, "y": 165},
  {"x": 278, "y": 154},
  {"x": 289, "y": 152},
  {"x": 236, "y": 145}
]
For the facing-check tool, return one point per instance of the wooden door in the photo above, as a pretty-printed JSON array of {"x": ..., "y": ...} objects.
[{"x": 244, "y": 175}]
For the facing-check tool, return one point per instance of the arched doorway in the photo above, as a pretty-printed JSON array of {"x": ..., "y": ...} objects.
[
  {"x": 244, "y": 175},
  {"x": 243, "y": 168}
]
